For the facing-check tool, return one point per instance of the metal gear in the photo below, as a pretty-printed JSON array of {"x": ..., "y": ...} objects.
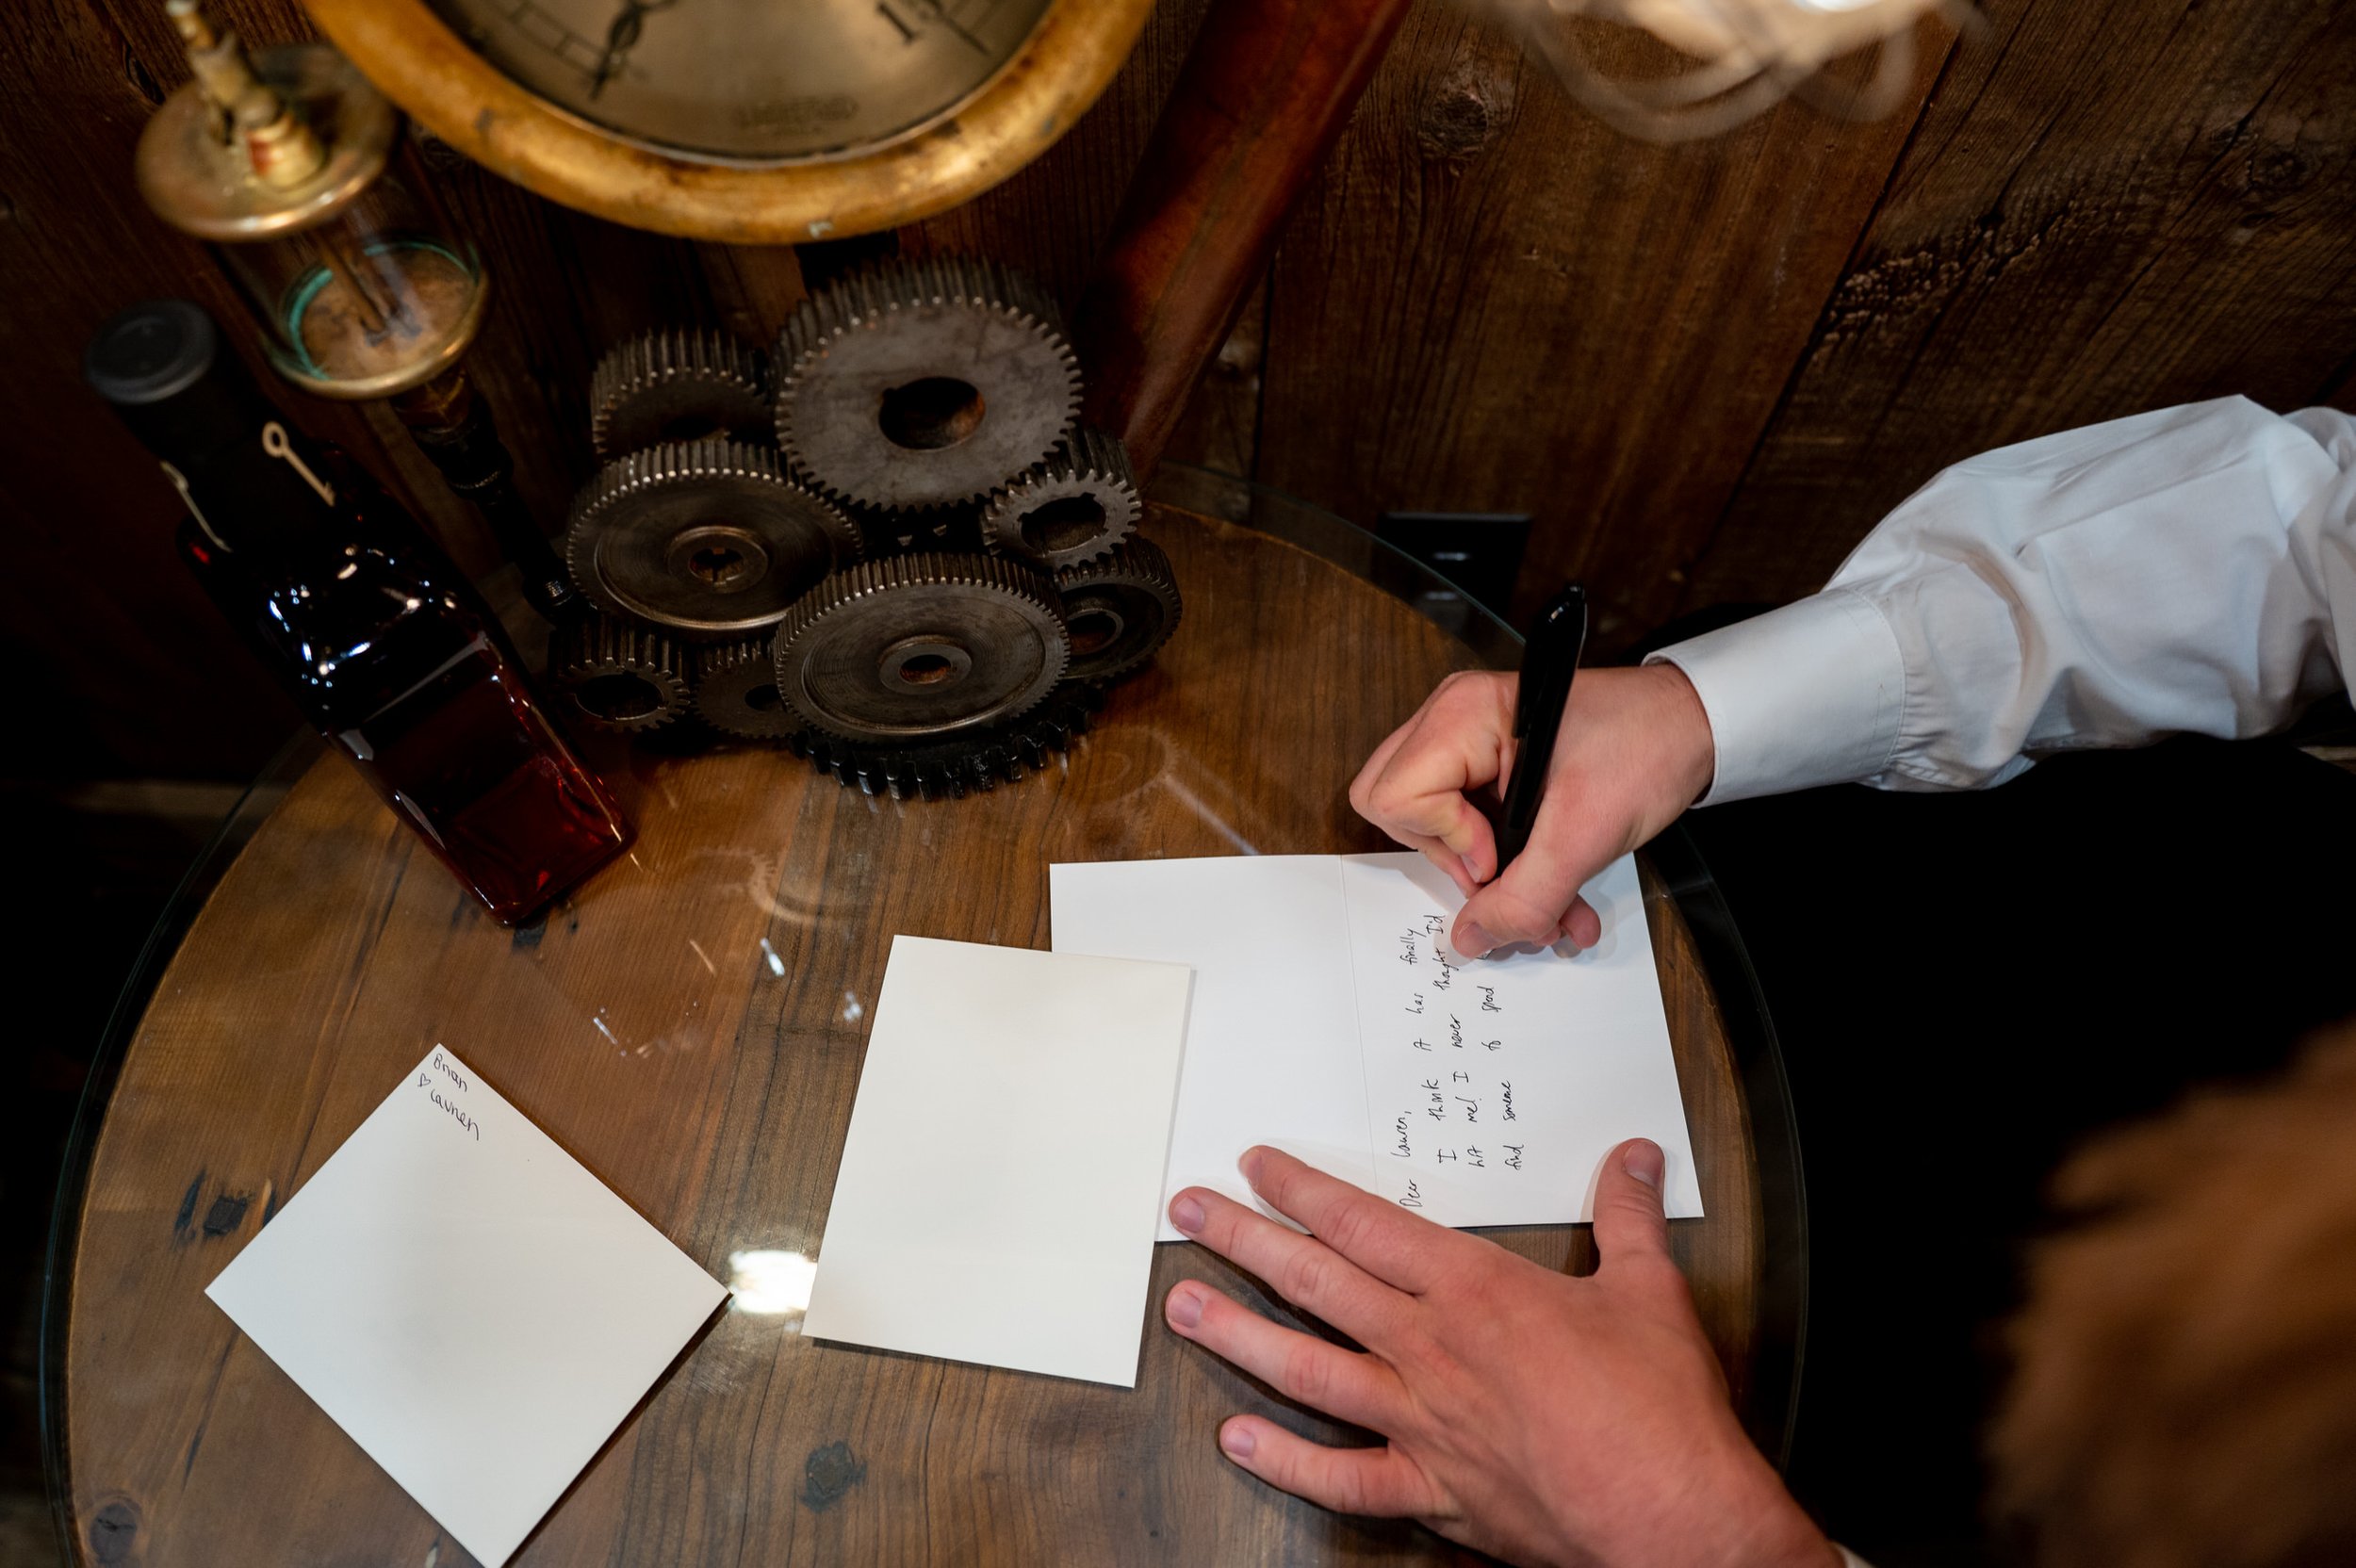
[
  {"x": 618, "y": 676},
  {"x": 921, "y": 383},
  {"x": 736, "y": 690},
  {"x": 947, "y": 528},
  {"x": 964, "y": 765},
  {"x": 1072, "y": 508},
  {"x": 914, "y": 647},
  {"x": 1119, "y": 610},
  {"x": 673, "y": 385},
  {"x": 708, "y": 539}
]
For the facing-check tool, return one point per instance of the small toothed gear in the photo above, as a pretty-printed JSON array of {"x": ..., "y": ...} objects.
[
  {"x": 675, "y": 386},
  {"x": 1118, "y": 611},
  {"x": 618, "y": 676},
  {"x": 708, "y": 539},
  {"x": 966, "y": 765},
  {"x": 1071, "y": 509},
  {"x": 736, "y": 690},
  {"x": 914, "y": 647},
  {"x": 916, "y": 384}
]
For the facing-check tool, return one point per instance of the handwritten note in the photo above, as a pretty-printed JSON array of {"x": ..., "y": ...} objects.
[
  {"x": 1331, "y": 1018},
  {"x": 476, "y": 1309}
]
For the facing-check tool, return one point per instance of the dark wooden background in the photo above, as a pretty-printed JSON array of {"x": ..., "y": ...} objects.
[{"x": 1706, "y": 371}]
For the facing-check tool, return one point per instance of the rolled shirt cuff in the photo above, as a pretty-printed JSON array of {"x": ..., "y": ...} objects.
[{"x": 1808, "y": 694}]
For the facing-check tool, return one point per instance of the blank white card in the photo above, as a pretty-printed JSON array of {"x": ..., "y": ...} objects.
[
  {"x": 1002, "y": 1178},
  {"x": 476, "y": 1309},
  {"x": 1332, "y": 1018}
]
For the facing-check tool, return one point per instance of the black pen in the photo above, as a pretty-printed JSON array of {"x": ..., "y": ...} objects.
[{"x": 1549, "y": 660}]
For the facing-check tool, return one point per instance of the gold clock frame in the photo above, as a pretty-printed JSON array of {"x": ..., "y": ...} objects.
[{"x": 412, "y": 55}]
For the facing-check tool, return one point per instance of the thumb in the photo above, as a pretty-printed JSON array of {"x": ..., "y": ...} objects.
[
  {"x": 1529, "y": 898},
  {"x": 1628, "y": 1219}
]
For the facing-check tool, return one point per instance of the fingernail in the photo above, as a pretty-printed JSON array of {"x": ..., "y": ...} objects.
[
  {"x": 1187, "y": 1214},
  {"x": 1471, "y": 941},
  {"x": 1238, "y": 1441},
  {"x": 1249, "y": 1166},
  {"x": 1644, "y": 1161},
  {"x": 1472, "y": 867},
  {"x": 1185, "y": 1308}
]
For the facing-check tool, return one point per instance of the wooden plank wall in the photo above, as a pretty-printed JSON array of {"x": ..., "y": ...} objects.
[{"x": 1705, "y": 370}]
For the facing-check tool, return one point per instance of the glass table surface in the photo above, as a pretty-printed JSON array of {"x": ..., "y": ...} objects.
[{"x": 689, "y": 1026}]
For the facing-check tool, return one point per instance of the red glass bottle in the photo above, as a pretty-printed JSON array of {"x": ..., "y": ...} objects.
[{"x": 374, "y": 631}]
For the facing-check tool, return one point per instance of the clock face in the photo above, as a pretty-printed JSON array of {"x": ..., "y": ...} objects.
[{"x": 750, "y": 81}]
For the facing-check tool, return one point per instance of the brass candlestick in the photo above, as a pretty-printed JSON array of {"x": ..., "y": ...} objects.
[{"x": 293, "y": 171}]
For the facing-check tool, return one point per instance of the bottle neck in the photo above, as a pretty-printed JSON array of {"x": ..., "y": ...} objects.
[{"x": 250, "y": 479}]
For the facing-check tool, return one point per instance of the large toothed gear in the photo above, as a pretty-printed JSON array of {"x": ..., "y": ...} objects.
[
  {"x": 677, "y": 385},
  {"x": 914, "y": 648},
  {"x": 736, "y": 690},
  {"x": 618, "y": 676},
  {"x": 922, "y": 383},
  {"x": 966, "y": 764},
  {"x": 1073, "y": 508},
  {"x": 1119, "y": 610},
  {"x": 709, "y": 541}
]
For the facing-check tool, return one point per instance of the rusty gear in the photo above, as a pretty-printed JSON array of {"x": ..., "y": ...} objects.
[
  {"x": 708, "y": 541},
  {"x": 1119, "y": 610},
  {"x": 736, "y": 690},
  {"x": 1071, "y": 509},
  {"x": 967, "y": 764},
  {"x": 676, "y": 386},
  {"x": 918, "y": 646},
  {"x": 618, "y": 676},
  {"x": 911, "y": 385}
]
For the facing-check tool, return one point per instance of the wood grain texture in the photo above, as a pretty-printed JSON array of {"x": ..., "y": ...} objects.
[
  {"x": 1705, "y": 370},
  {"x": 1265, "y": 94},
  {"x": 146, "y": 677},
  {"x": 2102, "y": 211},
  {"x": 1492, "y": 303},
  {"x": 1221, "y": 428},
  {"x": 1050, "y": 218},
  {"x": 691, "y": 1028},
  {"x": 95, "y": 609}
]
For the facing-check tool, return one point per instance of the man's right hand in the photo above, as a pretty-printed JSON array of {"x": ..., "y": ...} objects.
[{"x": 1635, "y": 751}]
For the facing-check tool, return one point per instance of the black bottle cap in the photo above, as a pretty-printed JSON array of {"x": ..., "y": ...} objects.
[
  {"x": 155, "y": 349},
  {"x": 163, "y": 365}
]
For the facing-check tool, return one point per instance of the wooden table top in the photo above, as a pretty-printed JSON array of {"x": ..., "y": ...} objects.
[{"x": 691, "y": 1028}]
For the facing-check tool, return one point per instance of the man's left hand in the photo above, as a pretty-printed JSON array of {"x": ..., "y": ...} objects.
[{"x": 1534, "y": 1416}]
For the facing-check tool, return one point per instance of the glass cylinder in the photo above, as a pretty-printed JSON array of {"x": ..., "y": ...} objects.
[
  {"x": 376, "y": 299},
  {"x": 297, "y": 173}
]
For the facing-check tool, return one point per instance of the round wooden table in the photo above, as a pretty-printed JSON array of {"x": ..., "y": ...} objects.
[{"x": 691, "y": 1028}]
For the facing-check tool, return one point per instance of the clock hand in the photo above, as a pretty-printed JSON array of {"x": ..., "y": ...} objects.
[
  {"x": 927, "y": 12},
  {"x": 621, "y": 38}
]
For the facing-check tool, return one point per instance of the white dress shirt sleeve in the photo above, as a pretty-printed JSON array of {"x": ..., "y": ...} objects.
[{"x": 2187, "y": 570}]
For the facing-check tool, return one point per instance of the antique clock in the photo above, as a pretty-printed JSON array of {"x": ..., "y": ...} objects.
[{"x": 760, "y": 122}]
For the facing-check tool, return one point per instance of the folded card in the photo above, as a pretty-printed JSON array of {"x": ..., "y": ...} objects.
[
  {"x": 1000, "y": 1181},
  {"x": 473, "y": 1308}
]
